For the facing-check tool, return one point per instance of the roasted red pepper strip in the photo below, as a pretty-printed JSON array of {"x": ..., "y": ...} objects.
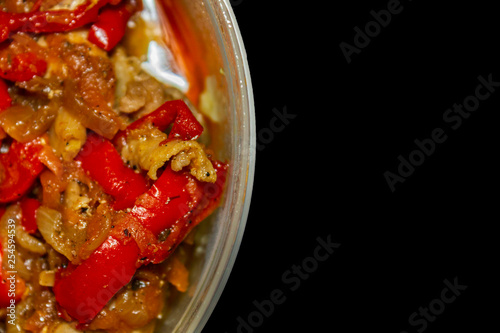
[
  {"x": 29, "y": 207},
  {"x": 19, "y": 168},
  {"x": 110, "y": 28},
  {"x": 7, "y": 297},
  {"x": 159, "y": 238},
  {"x": 50, "y": 21},
  {"x": 185, "y": 125},
  {"x": 103, "y": 163},
  {"x": 158, "y": 222},
  {"x": 24, "y": 67},
  {"x": 5, "y": 99},
  {"x": 84, "y": 290},
  {"x": 176, "y": 195},
  {"x": 211, "y": 193},
  {"x": 166, "y": 202}
]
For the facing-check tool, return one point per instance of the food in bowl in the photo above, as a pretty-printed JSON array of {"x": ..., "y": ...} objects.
[{"x": 104, "y": 170}]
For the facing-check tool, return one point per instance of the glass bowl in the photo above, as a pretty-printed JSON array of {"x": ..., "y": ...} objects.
[{"x": 208, "y": 33}]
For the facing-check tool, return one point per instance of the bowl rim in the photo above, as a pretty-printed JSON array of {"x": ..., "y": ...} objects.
[{"x": 197, "y": 313}]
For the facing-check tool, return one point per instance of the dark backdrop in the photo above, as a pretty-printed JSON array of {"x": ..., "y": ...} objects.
[{"x": 351, "y": 97}]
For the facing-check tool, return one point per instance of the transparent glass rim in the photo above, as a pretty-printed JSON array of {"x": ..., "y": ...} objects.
[{"x": 220, "y": 264}]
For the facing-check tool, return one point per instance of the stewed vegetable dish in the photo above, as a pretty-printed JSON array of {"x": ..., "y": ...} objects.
[{"x": 105, "y": 171}]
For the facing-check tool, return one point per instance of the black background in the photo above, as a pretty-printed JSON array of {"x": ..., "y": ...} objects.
[{"x": 323, "y": 174}]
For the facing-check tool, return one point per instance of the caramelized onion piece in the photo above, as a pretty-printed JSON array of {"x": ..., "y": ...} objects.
[
  {"x": 135, "y": 307},
  {"x": 12, "y": 213},
  {"x": 29, "y": 242},
  {"x": 100, "y": 119},
  {"x": 177, "y": 274},
  {"x": 25, "y": 124},
  {"x": 50, "y": 224},
  {"x": 97, "y": 230}
]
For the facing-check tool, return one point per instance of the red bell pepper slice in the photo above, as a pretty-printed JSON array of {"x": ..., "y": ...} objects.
[
  {"x": 185, "y": 125},
  {"x": 103, "y": 163},
  {"x": 168, "y": 205},
  {"x": 24, "y": 67},
  {"x": 165, "y": 203},
  {"x": 5, "y": 99},
  {"x": 50, "y": 21},
  {"x": 85, "y": 289},
  {"x": 19, "y": 168},
  {"x": 176, "y": 195},
  {"x": 110, "y": 28},
  {"x": 158, "y": 233},
  {"x": 29, "y": 207},
  {"x": 210, "y": 193}
]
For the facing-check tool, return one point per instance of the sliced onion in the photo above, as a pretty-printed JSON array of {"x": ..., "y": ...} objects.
[
  {"x": 21, "y": 268},
  {"x": 103, "y": 121},
  {"x": 67, "y": 135},
  {"x": 12, "y": 213},
  {"x": 25, "y": 124},
  {"x": 96, "y": 239},
  {"x": 49, "y": 223},
  {"x": 29, "y": 242}
]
